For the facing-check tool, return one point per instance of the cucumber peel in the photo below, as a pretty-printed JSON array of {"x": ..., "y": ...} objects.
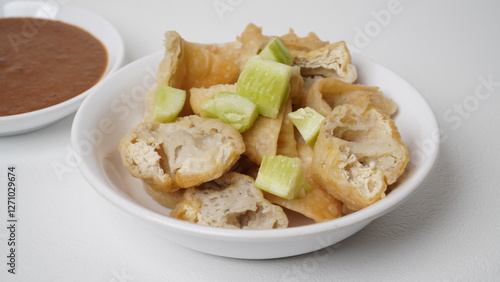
[
  {"x": 308, "y": 122},
  {"x": 282, "y": 176},
  {"x": 266, "y": 83},
  {"x": 232, "y": 109},
  {"x": 168, "y": 103},
  {"x": 274, "y": 50}
]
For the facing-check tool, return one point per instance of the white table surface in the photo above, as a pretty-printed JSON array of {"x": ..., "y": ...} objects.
[{"x": 448, "y": 231}]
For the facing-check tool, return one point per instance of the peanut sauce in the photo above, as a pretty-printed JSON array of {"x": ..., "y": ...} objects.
[{"x": 45, "y": 62}]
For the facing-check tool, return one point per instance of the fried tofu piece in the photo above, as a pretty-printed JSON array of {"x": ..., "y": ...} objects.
[
  {"x": 186, "y": 65},
  {"x": 231, "y": 201},
  {"x": 316, "y": 204},
  {"x": 230, "y": 51},
  {"x": 262, "y": 138},
  {"x": 327, "y": 93},
  {"x": 333, "y": 60},
  {"x": 181, "y": 154},
  {"x": 357, "y": 154},
  {"x": 287, "y": 146},
  {"x": 300, "y": 45},
  {"x": 252, "y": 41}
]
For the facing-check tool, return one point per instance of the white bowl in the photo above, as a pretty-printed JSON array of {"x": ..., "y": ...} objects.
[
  {"x": 97, "y": 26},
  {"x": 117, "y": 105}
]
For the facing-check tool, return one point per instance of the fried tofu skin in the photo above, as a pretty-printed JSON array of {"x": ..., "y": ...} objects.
[
  {"x": 231, "y": 201},
  {"x": 181, "y": 154},
  {"x": 358, "y": 153}
]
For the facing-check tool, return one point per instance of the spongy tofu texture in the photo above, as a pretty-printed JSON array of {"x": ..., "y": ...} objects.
[
  {"x": 182, "y": 154},
  {"x": 231, "y": 201},
  {"x": 358, "y": 153}
]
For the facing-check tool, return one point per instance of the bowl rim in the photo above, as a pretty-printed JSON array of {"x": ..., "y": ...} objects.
[
  {"x": 366, "y": 215},
  {"x": 68, "y": 106}
]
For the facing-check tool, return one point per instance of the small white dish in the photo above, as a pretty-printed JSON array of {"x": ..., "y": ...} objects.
[
  {"x": 97, "y": 26},
  {"x": 117, "y": 105}
]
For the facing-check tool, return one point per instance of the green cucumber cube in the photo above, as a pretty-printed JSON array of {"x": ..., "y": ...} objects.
[
  {"x": 276, "y": 51},
  {"x": 282, "y": 176},
  {"x": 266, "y": 83},
  {"x": 308, "y": 121},
  {"x": 168, "y": 103},
  {"x": 232, "y": 109}
]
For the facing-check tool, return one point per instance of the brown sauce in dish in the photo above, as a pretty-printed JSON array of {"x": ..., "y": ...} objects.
[{"x": 45, "y": 62}]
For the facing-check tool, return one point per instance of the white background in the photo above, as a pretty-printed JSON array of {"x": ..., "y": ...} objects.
[{"x": 448, "y": 230}]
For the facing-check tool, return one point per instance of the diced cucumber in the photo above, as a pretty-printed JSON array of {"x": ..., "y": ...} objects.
[
  {"x": 168, "y": 103},
  {"x": 282, "y": 176},
  {"x": 276, "y": 51},
  {"x": 308, "y": 122},
  {"x": 266, "y": 83},
  {"x": 232, "y": 109}
]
